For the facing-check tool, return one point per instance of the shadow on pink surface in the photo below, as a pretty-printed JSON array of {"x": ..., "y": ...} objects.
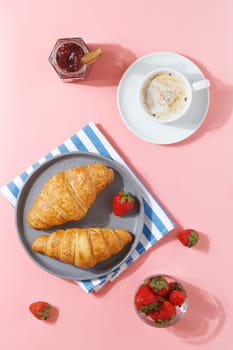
[
  {"x": 203, "y": 243},
  {"x": 220, "y": 108},
  {"x": 204, "y": 319},
  {"x": 110, "y": 66},
  {"x": 54, "y": 313}
]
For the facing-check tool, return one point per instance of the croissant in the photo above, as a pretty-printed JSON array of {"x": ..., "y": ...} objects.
[
  {"x": 68, "y": 195},
  {"x": 82, "y": 247}
]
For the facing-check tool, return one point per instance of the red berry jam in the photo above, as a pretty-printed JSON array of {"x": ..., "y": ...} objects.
[
  {"x": 65, "y": 58},
  {"x": 69, "y": 56}
]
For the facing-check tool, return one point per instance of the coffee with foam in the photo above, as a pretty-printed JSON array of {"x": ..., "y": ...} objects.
[{"x": 165, "y": 95}]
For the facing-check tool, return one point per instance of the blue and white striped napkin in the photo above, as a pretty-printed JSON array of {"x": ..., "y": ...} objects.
[{"x": 156, "y": 223}]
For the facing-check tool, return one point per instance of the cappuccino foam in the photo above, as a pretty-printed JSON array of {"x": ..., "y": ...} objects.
[{"x": 165, "y": 95}]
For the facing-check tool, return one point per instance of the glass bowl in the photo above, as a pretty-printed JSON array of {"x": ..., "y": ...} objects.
[{"x": 156, "y": 302}]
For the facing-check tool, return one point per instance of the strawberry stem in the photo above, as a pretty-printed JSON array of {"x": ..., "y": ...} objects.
[{"x": 192, "y": 239}]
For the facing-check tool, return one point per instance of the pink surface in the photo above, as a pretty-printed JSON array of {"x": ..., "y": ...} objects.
[{"x": 193, "y": 179}]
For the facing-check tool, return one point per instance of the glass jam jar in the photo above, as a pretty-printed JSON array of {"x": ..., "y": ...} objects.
[{"x": 66, "y": 59}]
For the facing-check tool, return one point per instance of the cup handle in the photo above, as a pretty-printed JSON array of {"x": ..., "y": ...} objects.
[{"x": 202, "y": 84}]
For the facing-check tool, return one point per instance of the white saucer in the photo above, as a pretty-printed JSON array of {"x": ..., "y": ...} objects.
[{"x": 149, "y": 130}]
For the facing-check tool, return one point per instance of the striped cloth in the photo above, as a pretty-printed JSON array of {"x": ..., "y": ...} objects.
[{"x": 156, "y": 223}]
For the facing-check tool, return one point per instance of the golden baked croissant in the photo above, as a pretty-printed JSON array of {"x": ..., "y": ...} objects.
[
  {"x": 82, "y": 247},
  {"x": 68, "y": 195}
]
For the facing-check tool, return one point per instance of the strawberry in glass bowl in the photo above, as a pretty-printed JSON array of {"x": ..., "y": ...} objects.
[{"x": 160, "y": 301}]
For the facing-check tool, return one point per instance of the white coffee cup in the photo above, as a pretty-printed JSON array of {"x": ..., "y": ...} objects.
[{"x": 189, "y": 89}]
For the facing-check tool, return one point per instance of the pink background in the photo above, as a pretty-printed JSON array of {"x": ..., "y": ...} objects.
[{"x": 193, "y": 179}]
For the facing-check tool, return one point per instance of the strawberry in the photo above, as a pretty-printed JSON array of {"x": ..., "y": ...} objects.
[
  {"x": 40, "y": 309},
  {"x": 177, "y": 297},
  {"x": 188, "y": 237},
  {"x": 154, "y": 314},
  {"x": 145, "y": 300},
  {"x": 167, "y": 312},
  {"x": 175, "y": 286},
  {"x": 159, "y": 285},
  {"x": 122, "y": 203}
]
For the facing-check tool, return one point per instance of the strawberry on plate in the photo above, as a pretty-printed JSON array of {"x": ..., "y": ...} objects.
[
  {"x": 188, "y": 237},
  {"x": 122, "y": 203},
  {"x": 40, "y": 309}
]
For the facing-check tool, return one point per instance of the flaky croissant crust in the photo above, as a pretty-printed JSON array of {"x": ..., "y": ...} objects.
[
  {"x": 68, "y": 195},
  {"x": 82, "y": 247}
]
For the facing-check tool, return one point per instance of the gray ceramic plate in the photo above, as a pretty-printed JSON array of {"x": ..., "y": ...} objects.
[{"x": 99, "y": 215}]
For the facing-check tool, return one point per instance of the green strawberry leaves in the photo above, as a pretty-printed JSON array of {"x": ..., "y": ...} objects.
[
  {"x": 125, "y": 196},
  {"x": 192, "y": 239},
  {"x": 148, "y": 308},
  {"x": 158, "y": 283}
]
